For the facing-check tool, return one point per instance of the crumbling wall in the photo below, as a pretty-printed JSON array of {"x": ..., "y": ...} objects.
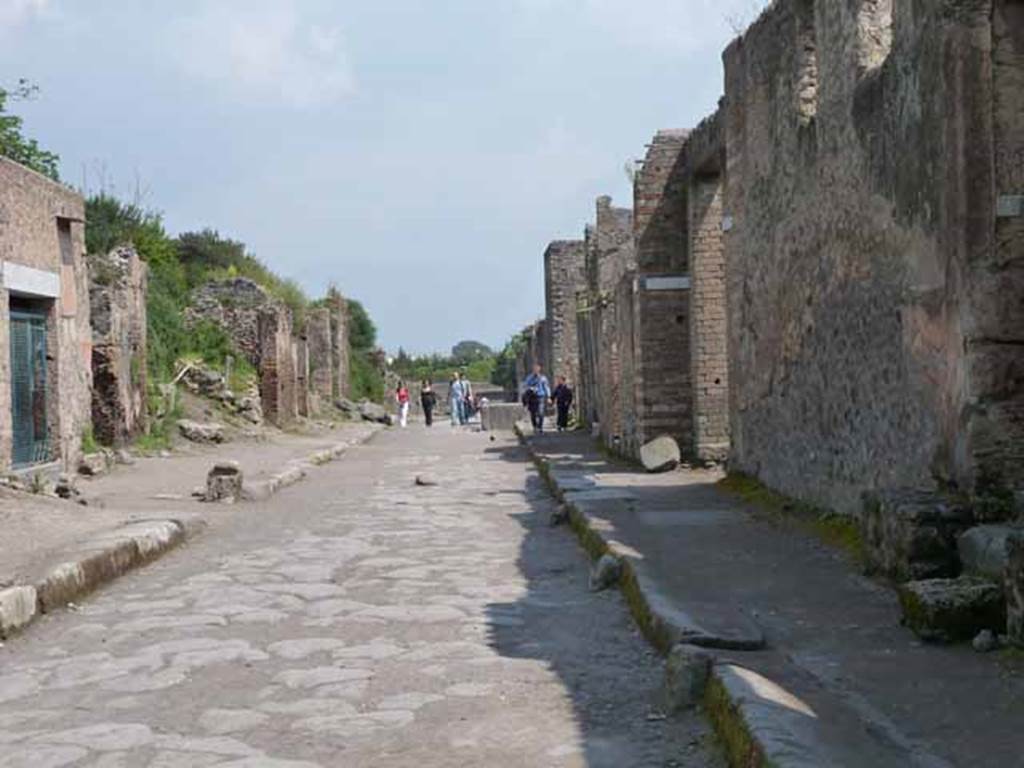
[
  {"x": 117, "y": 299},
  {"x": 611, "y": 255},
  {"x": 661, "y": 344},
  {"x": 874, "y": 300},
  {"x": 42, "y": 230},
  {"x": 306, "y": 401},
  {"x": 564, "y": 266},
  {"x": 234, "y": 305},
  {"x": 277, "y": 365},
  {"x": 339, "y": 343},
  {"x": 320, "y": 354}
]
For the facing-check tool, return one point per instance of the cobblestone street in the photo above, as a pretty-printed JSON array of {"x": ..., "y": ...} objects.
[{"x": 356, "y": 619}]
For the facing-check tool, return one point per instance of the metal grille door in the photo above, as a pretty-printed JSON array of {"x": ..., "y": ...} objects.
[{"x": 28, "y": 388}]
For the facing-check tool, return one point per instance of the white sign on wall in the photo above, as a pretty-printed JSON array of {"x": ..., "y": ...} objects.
[{"x": 671, "y": 283}]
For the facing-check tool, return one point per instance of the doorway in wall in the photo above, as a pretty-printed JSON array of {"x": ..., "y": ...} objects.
[{"x": 29, "y": 402}]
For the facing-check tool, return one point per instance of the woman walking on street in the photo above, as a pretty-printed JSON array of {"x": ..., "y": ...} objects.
[
  {"x": 428, "y": 399},
  {"x": 402, "y": 398},
  {"x": 536, "y": 393}
]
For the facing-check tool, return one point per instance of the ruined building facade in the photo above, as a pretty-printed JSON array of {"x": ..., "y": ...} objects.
[
  {"x": 563, "y": 272},
  {"x": 822, "y": 282},
  {"x": 45, "y": 340},
  {"x": 117, "y": 307}
]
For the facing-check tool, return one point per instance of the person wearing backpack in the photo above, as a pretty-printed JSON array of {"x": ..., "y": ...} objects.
[{"x": 536, "y": 393}]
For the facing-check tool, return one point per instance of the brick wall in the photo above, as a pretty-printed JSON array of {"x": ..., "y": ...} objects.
[{"x": 661, "y": 329}]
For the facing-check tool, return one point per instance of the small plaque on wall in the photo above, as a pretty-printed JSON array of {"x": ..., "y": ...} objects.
[{"x": 667, "y": 283}]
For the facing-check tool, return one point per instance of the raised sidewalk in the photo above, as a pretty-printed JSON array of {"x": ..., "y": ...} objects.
[
  {"x": 53, "y": 552},
  {"x": 812, "y": 665}
]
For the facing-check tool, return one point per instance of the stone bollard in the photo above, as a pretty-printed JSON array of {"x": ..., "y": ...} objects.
[
  {"x": 687, "y": 670},
  {"x": 224, "y": 482},
  {"x": 605, "y": 573},
  {"x": 660, "y": 455}
]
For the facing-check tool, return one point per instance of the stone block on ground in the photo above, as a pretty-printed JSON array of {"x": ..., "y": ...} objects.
[
  {"x": 374, "y": 412},
  {"x": 94, "y": 464},
  {"x": 983, "y": 549},
  {"x": 605, "y": 573},
  {"x": 500, "y": 416},
  {"x": 1014, "y": 586},
  {"x": 687, "y": 670},
  {"x": 911, "y": 534},
  {"x": 224, "y": 482},
  {"x": 952, "y": 610},
  {"x": 201, "y": 432},
  {"x": 985, "y": 641},
  {"x": 660, "y": 455},
  {"x": 18, "y": 606},
  {"x": 347, "y": 406},
  {"x": 425, "y": 480}
]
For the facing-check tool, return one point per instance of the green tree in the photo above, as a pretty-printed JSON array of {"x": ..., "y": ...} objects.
[
  {"x": 362, "y": 333},
  {"x": 466, "y": 352},
  {"x": 14, "y": 144}
]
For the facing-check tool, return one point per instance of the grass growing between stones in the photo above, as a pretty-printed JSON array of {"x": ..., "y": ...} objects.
[
  {"x": 836, "y": 531},
  {"x": 731, "y": 729}
]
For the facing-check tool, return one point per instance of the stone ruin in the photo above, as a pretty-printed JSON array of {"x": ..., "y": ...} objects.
[
  {"x": 822, "y": 282},
  {"x": 301, "y": 370},
  {"x": 117, "y": 302}
]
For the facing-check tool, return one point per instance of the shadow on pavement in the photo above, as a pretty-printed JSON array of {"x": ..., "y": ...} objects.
[{"x": 611, "y": 677}]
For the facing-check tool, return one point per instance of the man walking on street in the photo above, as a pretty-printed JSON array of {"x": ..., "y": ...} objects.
[
  {"x": 562, "y": 397},
  {"x": 536, "y": 393}
]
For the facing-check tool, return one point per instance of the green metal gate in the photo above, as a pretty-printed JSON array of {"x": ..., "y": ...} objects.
[{"x": 28, "y": 388}]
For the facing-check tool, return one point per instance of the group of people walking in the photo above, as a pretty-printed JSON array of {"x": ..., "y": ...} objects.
[
  {"x": 461, "y": 401},
  {"x": 536, "y": 394}
]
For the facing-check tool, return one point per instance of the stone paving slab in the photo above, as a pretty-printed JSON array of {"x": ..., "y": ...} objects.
[
  {"x": 833, "y": 637},
  {"x": 356, "y": 619}
]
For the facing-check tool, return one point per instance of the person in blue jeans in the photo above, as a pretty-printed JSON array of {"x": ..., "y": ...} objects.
[
  {"x": 456, "y": 396},
  {"x": 536, "y": 393}
]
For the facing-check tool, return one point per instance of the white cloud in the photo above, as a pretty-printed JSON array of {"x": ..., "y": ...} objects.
[
  {"x": 14, "y": 13},
  {"x": 264, "y": 51}
]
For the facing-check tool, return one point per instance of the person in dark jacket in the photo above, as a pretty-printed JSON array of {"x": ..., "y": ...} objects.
[
  {"x": 562, "y": 398},
  {"x": 428, "y": 399}
]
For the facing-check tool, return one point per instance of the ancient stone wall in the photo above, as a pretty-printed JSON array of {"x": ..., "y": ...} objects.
[
  {"x": 117, "y": 299},
  {"x": 320, "y": 353},
  {"x": 306, "y": 401},
  {"x": 277, "y": 365},
  {"x": 339, "y": 343},
  {"x": 564, "y": 265},
  {"x": 42, "y": 246},
  {"x": 610, "y": 255},
  {"x": 873, "y": 253},
  {"x": 709, "y": 361},
  {"x": 661, "y": 346},
  {"x": 234, "y": 305}
]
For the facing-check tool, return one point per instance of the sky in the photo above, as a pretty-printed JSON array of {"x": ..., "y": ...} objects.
[{"x": 420, "y": 154}]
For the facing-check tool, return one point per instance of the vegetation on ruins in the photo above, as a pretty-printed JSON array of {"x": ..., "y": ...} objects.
[
  {"x": 177, "y": 266},
  {"x": 366, "y": 380},
  {"x": 13, "y": 142},
  {"x": 504, "y": 371}
]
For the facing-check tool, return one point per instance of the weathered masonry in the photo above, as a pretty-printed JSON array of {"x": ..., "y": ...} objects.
[
  {"x": 45, "y": 341},
  {"x": 117, "y": 308},
  {"x": 874, "y": 193},
  {"x": 563, "y": 274}
]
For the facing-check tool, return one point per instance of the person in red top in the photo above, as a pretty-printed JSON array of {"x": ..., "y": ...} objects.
[{"x": 402, "y": 398}]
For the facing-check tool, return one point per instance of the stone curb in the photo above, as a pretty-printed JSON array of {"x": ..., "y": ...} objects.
[
  {"x": 752, "y": 737},
  {"x": 297, "y": 469},
  {"x": 103, "y": 560}
]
